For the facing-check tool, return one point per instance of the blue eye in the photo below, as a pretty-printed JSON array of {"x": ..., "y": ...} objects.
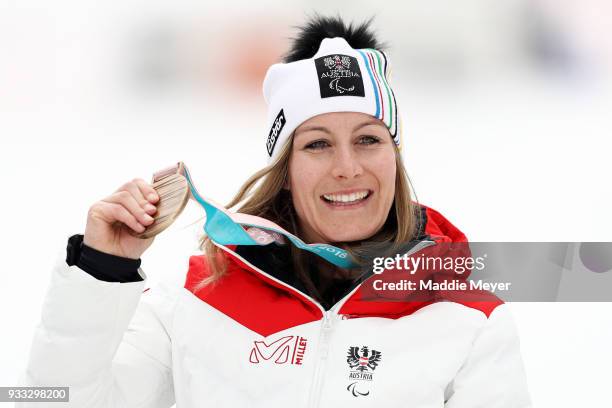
[
  {"x": 317, "y": 145},
  {"x": 368, "y": 140}
]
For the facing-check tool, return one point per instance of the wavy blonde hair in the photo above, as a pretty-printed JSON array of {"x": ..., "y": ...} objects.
[{"x": 263, "y": 195}]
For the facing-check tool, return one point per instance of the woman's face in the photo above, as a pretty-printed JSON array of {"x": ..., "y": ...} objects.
[{"x": 341, "y": 176}]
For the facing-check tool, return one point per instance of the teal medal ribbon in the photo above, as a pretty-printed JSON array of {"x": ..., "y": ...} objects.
[{"x": 227, "y": 228}]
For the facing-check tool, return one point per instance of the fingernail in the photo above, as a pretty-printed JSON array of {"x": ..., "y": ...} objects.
[
  {"x": 152, "y": 197},
  {"x": 149, "y": 207}
]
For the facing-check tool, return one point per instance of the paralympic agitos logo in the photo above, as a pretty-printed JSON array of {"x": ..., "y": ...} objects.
[{"x": 362, "y": 361}]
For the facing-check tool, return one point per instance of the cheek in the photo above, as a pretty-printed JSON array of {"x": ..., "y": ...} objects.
[
  {"x": 302, "y": 183},
  {"x": 390, "y": 175},
  {"x": 384, "y": 169}
]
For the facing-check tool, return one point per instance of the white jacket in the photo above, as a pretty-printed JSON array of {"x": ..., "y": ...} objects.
[{"x": 254, "y": 341}]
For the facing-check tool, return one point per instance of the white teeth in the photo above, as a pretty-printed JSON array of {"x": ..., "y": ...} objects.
[{"x": 346, "y": 198}]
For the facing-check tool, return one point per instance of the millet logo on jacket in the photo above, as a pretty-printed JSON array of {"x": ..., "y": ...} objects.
[
  {"x": 288, "y": 349},
  {"x": 362, "y": 362}
]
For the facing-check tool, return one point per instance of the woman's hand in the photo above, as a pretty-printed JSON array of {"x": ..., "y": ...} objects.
[{"x": 110, "y": 219}]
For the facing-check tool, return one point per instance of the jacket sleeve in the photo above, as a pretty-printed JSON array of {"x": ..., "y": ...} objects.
[
  {"x": 493, "y": 375},
  {"x": 107, "y": 341}
]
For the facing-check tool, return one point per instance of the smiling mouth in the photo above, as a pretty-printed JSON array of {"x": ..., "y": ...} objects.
[{"x": 346, "y": 199}]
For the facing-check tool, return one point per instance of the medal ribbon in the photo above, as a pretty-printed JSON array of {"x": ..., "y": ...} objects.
[{"x": 227, "y": 228}]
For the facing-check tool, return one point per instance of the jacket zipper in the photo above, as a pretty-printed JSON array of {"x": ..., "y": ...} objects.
[
  {"x": 327, "y": 326},
  {"x": 329, "y": 321}
]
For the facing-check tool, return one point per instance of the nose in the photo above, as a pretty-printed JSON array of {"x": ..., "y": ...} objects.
[{"x": 345, "y": 163}]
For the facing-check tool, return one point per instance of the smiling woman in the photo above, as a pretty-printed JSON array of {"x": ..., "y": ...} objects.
[
  {"x": 339, "y": 179},
  {"x": 336, "y": 174},
  {"x": 342, "y": 176},
  {"x": 270, "y": 324}
]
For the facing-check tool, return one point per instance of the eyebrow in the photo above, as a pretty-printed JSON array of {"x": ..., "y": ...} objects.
[{"x": 326, "y": 130}]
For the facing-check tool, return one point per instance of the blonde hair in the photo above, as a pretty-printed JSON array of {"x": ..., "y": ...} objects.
[{"x": 263, "y": 195}]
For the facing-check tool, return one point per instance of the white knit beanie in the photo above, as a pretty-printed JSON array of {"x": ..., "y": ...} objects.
[{"x": 337, "y": 78}]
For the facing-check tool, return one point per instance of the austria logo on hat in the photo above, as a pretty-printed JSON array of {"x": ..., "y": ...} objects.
[{"x": 339, "y": 75}]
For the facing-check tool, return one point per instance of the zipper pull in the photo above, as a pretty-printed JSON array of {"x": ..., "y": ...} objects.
[
  {"x": 325, "y": 331},
  {"x": 327, "y": 320}
]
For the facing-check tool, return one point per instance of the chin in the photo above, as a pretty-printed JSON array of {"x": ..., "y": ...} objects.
[{"x": 354, "y": 234}]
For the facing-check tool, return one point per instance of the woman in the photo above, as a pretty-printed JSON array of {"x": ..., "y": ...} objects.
[{"x": 274, "y": 325}]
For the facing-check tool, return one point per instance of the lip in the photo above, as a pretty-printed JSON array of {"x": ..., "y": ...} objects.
[
  {"x": 350, "y": 191},
  {"x": 343, "y": 206}
]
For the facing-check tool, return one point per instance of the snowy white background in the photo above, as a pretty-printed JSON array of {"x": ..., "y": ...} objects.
[{"x": 506, "y": 112}]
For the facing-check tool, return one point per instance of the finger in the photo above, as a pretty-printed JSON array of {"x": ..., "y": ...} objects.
[
  {"x": 146, "y": 190},
  {"x": 126, "y": 199},
  {"x": 113, "y": 211},
  {"x": 139, "y": 190}
]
